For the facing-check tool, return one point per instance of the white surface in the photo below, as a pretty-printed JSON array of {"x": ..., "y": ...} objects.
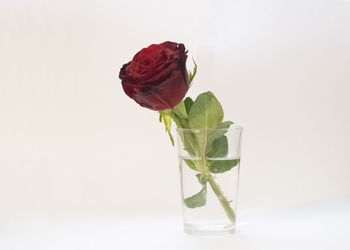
[
  {"x": 72, "y": 143},
  {"x": 71, "y": 140},
  {"x": 319, "y": 226}
]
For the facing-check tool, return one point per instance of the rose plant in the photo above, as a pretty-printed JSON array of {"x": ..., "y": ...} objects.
[{"x": 156, "y": 78}]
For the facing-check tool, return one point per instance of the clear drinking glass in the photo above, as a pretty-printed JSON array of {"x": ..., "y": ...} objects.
[{"x": 209, "y": 174}]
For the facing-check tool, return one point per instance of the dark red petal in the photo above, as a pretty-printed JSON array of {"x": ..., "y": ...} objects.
[
  {"x": 169, "y": 45},
  {"x": 166, "y": 95}
]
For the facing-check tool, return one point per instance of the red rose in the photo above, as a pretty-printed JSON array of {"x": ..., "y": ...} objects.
[{"x": 157, "y": 78}]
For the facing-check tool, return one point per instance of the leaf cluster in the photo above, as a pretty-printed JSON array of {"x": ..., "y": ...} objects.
[{"x": 204, "y": 137}]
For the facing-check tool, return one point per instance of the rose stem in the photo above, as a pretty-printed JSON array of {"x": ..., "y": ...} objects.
[
  {"x": 224, "y": 202},
  {"x": 202, "y": 168},
  {"x": 217, "y": 190}
]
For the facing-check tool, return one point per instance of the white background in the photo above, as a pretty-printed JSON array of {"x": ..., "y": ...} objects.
[{"x": 72, "y": 144}]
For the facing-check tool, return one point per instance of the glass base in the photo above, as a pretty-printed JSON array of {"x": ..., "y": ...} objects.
[{"x": 209, "y": 229}]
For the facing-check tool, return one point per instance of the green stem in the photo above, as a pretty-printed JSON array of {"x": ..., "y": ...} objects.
[
  {"x": 224, "y": 202},
  {"x": 217, "y": 190}
]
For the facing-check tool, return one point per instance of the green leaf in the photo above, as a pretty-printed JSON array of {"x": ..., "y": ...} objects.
[
  {"x": 200, "y": 198},
  {"x": 193, "y": 73},
  {"x": 197, "y": 200},
  {"x": 180, "y": 110},
  {"x": 177, "y": 120},
  {"x": 218, "y": 148},
  {"x": 222, "y": 129},
  {"x": 201, "y": 179},
  {"x": 206, "y": 112},
  {"x": 191, "y": 164},
  {"x": 188, "y": 141},
  {"x": 225, "y": 125},
  {"x": 221, "y": 166},
  {"x": 188, "y": 104}
]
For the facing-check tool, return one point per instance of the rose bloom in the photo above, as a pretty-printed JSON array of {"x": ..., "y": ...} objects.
[{"x": 157, "y": 78}]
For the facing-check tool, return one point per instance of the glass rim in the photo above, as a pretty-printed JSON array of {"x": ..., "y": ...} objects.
[{"x": 233, "y": 126}]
